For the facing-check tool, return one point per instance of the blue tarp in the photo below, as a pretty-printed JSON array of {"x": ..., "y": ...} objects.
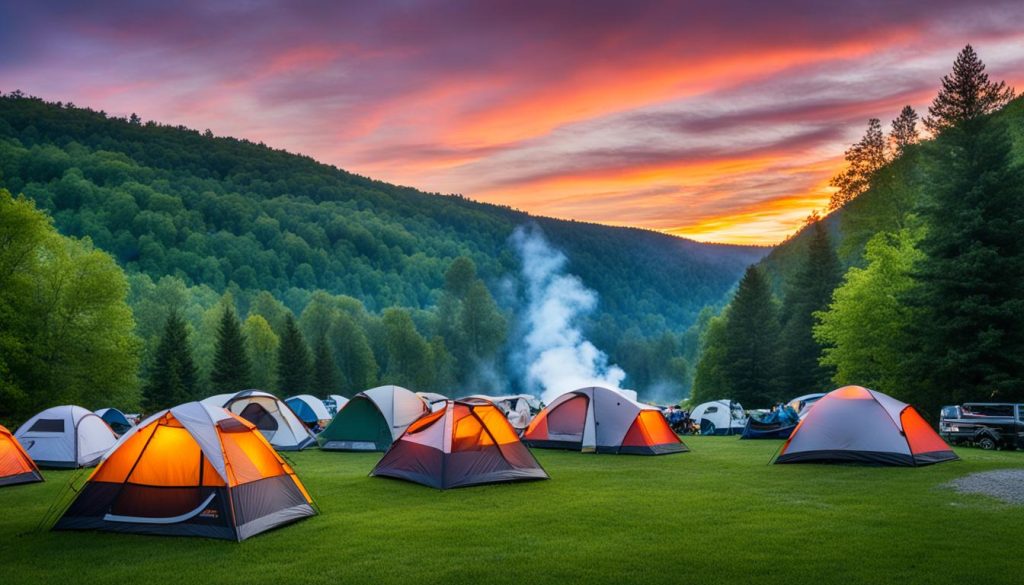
[{"x": 777, "y": 424}]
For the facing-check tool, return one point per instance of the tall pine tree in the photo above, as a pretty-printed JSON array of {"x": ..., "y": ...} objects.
[
  {"x": 969, "y": 289},
  {"x": 904, "y": 131},
  {"x": 294, "y": 364},
  {"x": 231, "y": 369},
  {"x": 751, "y": 342},
  {"x": 809, "y": 290},
  {"x": 173, "y": 377},
  {"x": 966, "y": 94},
  {"x": 863, "y": 160},
  {"x": 325, "y": 370}
]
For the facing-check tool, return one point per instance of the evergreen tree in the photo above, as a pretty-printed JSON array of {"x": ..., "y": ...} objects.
[
  {"x": 173, "y": 377},
  {"x": 904, "y": 131},
  {"x": 294, "y": 363},
  {"x": 863, "y": 160},
  {"x": 970, "y": 284},
  {"x": 751, "y": 342},
  {"x": 966, "y": 94},
  {"x": 810, "y": 290},
  {"x": 709, "y": 380},
  {"x": 409, "y": 355},
  {"x": 261, "y": 345},
  {"x": 481, "y": 324},
  {"x": 325, "y": 370},
  {"x": 358, "y": 368},
  {"x": 231, "y": 370}
]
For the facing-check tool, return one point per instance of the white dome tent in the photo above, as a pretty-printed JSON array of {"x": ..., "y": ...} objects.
[
  {"x": 278, "y": 424},
  {"x": 66, "y": 436},
  {"x": 720, "y": 417}
]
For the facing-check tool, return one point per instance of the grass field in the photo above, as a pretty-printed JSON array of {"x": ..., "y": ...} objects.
[{"x": 718, "y": 514}]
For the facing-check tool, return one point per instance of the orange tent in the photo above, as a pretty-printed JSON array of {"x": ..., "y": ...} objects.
[
  {"x": 857, "y": 424},
  {"x": 193, "y": 470},
  {"x": 15, "y": 464},
  {"x": 465, "y": 442}
]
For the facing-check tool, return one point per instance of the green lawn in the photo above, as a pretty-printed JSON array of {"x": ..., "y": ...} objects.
[{"x": 718, "y": 514}]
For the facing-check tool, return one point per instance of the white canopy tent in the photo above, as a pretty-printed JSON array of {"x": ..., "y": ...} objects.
[
  {"x": 720, "y": 417},
  {"x": 66, "y": 436}
]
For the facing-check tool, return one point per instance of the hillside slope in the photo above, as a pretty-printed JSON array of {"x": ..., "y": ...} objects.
[{"x": 233, "y": 214}]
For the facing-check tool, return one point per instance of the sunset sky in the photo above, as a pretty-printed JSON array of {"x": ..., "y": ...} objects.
[{"x": 718, "y": 121}]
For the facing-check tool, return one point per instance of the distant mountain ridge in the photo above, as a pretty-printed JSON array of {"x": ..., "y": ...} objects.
[{"x": 230, "y": 213}]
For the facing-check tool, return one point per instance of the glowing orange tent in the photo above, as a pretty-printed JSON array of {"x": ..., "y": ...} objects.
[
  {"x": 193, "y": 470},
  {"x": 857, "y": 424},
  {"x": 15, "y": 464},
  {"x": 463, "y": 443},
  {"x": 602, "y": 421}
]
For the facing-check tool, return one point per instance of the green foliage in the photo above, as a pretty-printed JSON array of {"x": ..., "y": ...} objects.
[
  {"x": 969, "y": 286},
  {"x": 810, "y": 290},
  {"x": 410, "y": 359},
  {"x": 864, "y": 330},
  {"x": 173, "y": 378},
  {"x": 231, "y": 368},
  {"x": 261, "y": 345},
  {"x": 294, "y": 363},
  {"x": 65, "y": 326},
  {"x": 325, "y": 370},
  {"x": 709, "y": 380},
  {"x": 358, "y": 367}
]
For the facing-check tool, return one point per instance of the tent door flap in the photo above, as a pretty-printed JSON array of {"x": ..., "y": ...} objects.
[{"x": 171, "y": 520}]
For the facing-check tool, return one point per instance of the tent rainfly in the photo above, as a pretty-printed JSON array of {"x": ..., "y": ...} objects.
[
  {"x": 193, "y": 470},
  {"x": 116, "y": 419},
  {"x": 66, "y": 436},
  {"x": 603, "y": 421},
  {"x": 272, "y": 417},
  {"x": 463, "y": 443},
  {"x": 861, "y": 425},
  {"x": 373, "y": 419},
  {"x": 310, "y": 409},
  {"x": 15, "y": 464}
]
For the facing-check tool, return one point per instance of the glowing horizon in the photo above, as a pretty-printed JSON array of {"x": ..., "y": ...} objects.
[{"x": 717, "y": 122}]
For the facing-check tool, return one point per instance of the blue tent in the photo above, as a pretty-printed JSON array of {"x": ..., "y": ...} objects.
[
  {"x": 116, "y": 419},
  {"x": 777, "y": 424},
  {"x": 310, "y": 409}
]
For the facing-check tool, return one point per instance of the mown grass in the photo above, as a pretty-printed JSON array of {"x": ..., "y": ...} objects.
[{"x": 718, "y": 514}]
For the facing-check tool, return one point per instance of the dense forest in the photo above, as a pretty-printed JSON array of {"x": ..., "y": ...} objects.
[
  {"x": 912, "y": 285},
  {"x": 143, "y": 264}
]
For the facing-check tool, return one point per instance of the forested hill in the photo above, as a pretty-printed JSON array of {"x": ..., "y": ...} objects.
[{"x": 232, "y": 214}]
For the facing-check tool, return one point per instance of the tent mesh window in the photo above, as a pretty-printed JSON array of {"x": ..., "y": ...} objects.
[{"x": 48, "y": 425}]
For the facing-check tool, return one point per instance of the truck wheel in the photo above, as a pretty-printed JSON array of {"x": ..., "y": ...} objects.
[{"x": 987, "y": 443}]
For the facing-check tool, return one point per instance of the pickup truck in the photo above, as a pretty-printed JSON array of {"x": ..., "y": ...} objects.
[{"x": 988, "y": 425}]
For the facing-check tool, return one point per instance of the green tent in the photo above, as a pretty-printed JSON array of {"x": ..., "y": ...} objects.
[{"x": 372, "y": 420}]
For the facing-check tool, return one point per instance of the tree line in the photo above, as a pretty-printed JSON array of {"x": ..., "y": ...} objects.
[{"x": 922, "y": 297}]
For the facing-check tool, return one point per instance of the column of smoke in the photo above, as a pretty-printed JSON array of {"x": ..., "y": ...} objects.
[{"x": 556, "y": 357}]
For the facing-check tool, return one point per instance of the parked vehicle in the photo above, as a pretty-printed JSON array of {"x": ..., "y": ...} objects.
[{"x": 988, "y": 425}]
